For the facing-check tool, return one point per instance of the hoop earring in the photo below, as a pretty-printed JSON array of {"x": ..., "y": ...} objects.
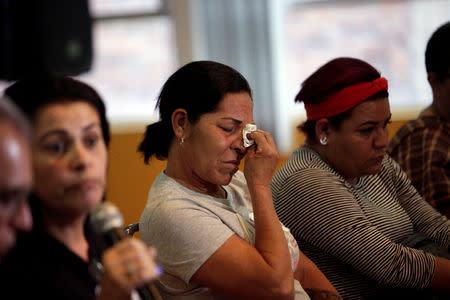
[
  {"x": 323, "y": 140},
  {"x": 182, "y": 141}
]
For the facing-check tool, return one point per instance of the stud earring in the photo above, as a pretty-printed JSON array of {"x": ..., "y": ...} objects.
[
  {"x": 182, "y": 141},
  {"x": 324, "y": 140}
]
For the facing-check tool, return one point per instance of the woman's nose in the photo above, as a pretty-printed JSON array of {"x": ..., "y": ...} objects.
[
  {"x": 238, "y": 144},
  {"x": 382, "y": 138},
  {"x": 80, "y": 157}
]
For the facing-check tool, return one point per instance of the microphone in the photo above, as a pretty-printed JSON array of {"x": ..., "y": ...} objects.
[{"x": 107, "y": 220}]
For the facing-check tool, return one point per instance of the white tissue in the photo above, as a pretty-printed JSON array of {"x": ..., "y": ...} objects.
[{"x": 247, "y": 129}]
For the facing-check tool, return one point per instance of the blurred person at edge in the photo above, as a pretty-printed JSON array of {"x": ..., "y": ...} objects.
[
  {"x": 422, "y": 146},
  {"x": 62, "y": 257},
  {"x": 16, "y": 175},
  {"x": 350, "y": 206},
  {"x": 215, "y": 227}
]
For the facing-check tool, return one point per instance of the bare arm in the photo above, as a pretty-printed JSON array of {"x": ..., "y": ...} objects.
[
  {"x": 441, "y": 276},
  {"x": 313, "y": 280}
]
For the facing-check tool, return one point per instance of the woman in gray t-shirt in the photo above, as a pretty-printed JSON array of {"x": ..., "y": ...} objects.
[{"x": 215, "y": 228}]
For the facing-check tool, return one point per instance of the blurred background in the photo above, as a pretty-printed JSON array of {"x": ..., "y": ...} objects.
[{"x": 275, "y": 44}]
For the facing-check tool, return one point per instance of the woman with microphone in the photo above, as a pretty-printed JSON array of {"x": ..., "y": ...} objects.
[{"x": 63, "y": 258}]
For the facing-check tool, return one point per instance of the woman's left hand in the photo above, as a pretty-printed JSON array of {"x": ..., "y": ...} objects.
[
  {"x": 261, "y": 160},
  {"x": 127, "y": 266}
]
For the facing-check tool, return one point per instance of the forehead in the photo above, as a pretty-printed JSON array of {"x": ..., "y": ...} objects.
[
  {"x": 374, "y": 110},
  {"x": 65, "y": 114},
  {"x": 237, "y": 105}
]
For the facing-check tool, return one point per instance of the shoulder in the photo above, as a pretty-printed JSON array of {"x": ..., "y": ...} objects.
[
  {"x": 167, "y": 194},
  {"x": 389, "y": 164},
  {"x": 170, "y": 203},
  {"x": 303, "y": 158},
  {"x": 414, "y": 130},
  {"x": 162, "y": 185},
  {"x": 303, "y": 168},
  {"x": 406, "y": 130},
  {"x": 391, "y": 176}
]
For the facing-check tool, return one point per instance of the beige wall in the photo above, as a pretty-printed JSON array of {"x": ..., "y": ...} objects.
[{"x": 129, "y": 179}]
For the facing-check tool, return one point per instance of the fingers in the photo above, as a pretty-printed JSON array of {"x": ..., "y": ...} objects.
[
  {"x": 261, "y": 159},
  {"x": 264, "y": 143},
  {"x": 130, "y": 264}
]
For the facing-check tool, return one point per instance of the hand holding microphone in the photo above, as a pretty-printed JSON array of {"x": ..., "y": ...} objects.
[{"x": 128, "y": 263}]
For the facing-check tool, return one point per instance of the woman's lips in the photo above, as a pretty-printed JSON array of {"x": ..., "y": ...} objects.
[
  {"x": 85, "y": 184},
  {"x": 234, "y": 164}
]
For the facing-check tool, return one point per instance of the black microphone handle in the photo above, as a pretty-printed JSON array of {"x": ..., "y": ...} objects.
[
  {"x": 112, "y": 237},
  {"x": 144, "y": 292}
]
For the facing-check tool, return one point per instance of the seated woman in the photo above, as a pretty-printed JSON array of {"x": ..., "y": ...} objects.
[
  {"x": 61, "y": 257},
  {"x": 216, "y": 230},
  {"x": 349, "y": 205}
]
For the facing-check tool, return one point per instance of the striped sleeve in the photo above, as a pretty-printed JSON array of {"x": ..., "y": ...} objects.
[{"x": 424, "y": 217}]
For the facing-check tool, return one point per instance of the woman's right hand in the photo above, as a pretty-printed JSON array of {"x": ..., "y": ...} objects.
[
  {"x": 315, "y": 283},
  {"x": 127, "y": 265},
  {"x": 261, "y": 159}
]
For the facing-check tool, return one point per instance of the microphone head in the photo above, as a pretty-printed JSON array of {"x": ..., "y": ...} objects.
[{"x": 105, "y": 217}]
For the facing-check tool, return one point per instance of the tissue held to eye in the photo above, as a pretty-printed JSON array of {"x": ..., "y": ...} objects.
[{"x": 248, "y": 129}]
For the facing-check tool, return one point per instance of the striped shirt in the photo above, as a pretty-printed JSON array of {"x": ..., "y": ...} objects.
[
  {"x": 422, "y": 148},
  {"x": 354, "y": 232}
]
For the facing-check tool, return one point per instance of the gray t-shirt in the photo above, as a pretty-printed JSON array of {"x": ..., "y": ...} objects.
[{"x": 188, "y": 227}]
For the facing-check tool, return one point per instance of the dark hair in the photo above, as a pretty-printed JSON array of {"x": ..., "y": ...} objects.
[
  {"x": 197, "y": 87},
  {"x": 10, "y": 114},
  {"x": 437, "y": 53},
  {"x": 32, "y": 94},
  {"x": 335, "y": 75}
]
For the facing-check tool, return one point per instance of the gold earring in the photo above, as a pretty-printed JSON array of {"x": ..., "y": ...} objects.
[
  {"x": 182, "y": 141},
  {"x": 324, "y": 140}
]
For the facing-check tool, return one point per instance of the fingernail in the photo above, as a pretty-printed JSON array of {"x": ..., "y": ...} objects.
[{"x": 159, "y": 270}]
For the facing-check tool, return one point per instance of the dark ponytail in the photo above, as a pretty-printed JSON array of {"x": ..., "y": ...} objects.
[{"x": 160, "y": 132}]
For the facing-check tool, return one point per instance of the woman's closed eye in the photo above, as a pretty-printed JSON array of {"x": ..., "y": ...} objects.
[
  {"x": 370, "y": 129},
  {"x": 227, "y": 129},
  {"x": 367, "y": 130}
]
